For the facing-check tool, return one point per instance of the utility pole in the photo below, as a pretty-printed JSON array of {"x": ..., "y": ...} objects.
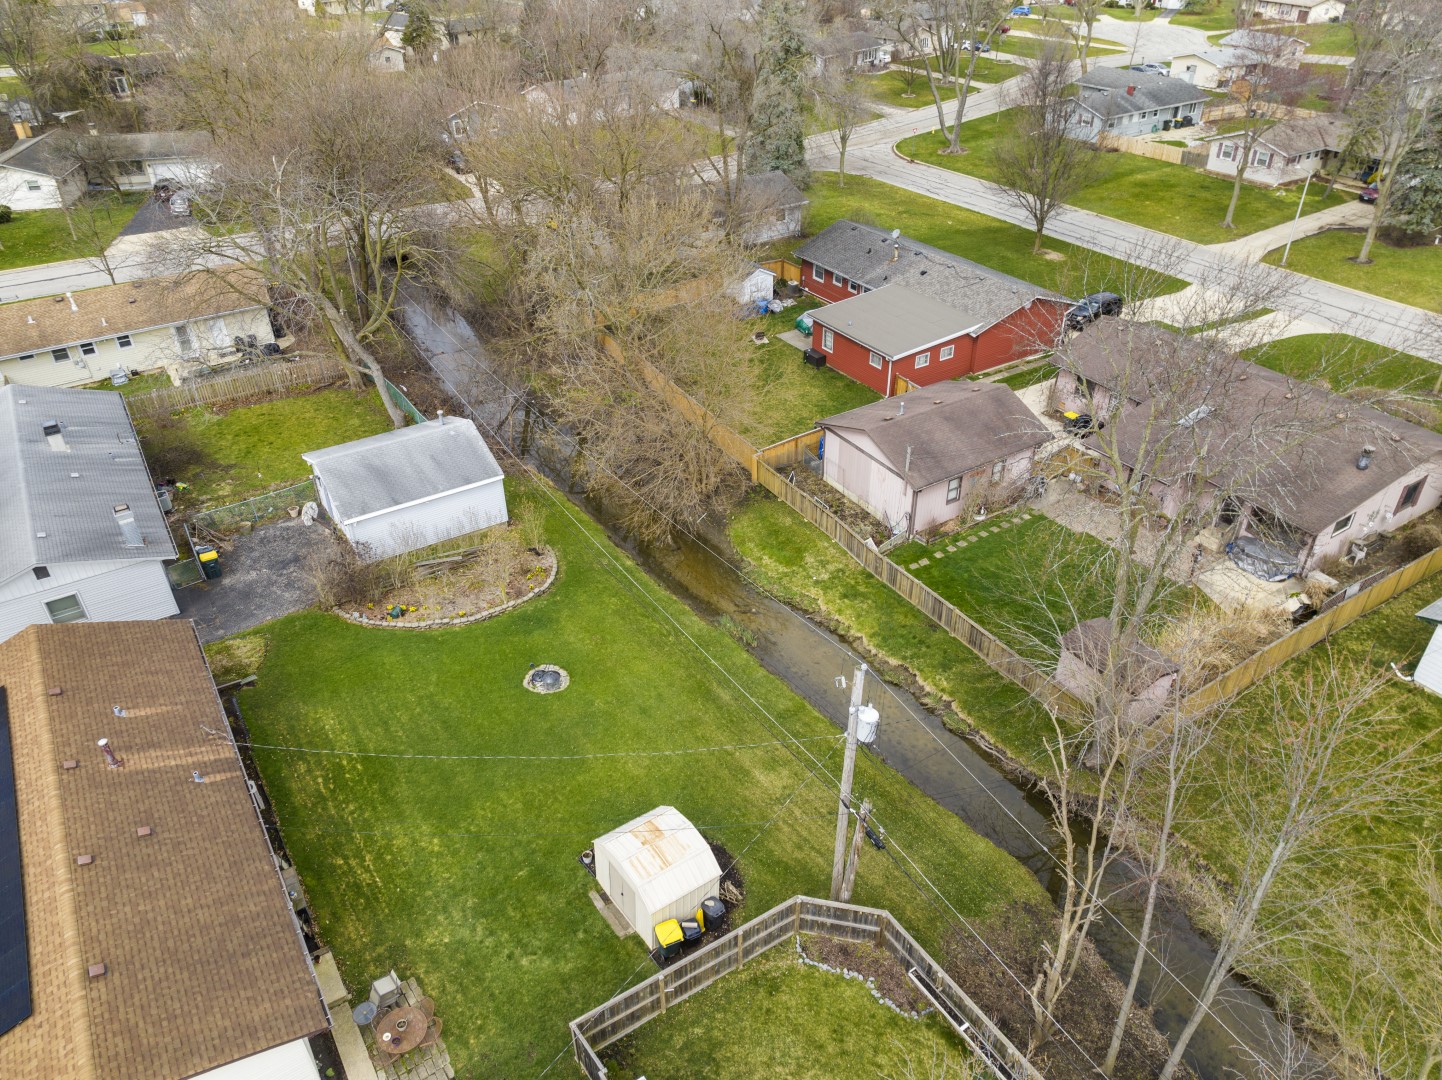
[
  {"x": 848, "y": 883},
  {"x": 848, "y": 770}
]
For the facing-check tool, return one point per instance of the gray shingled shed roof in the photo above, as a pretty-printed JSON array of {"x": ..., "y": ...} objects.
[
  {"x": 864, "y": 253},
  {"x": 893, "y": 321},
  {"x": 949, "y": 427},
  {"x": 408, "y": 465},
  {"x": 1104, "y": 91},
  {"x": 70, "y": 495}
]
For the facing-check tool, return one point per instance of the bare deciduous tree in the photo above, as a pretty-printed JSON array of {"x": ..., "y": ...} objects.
[{"x": 841, "y": 104}]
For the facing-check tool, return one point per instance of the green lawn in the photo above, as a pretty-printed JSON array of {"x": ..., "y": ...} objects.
[
  {"x": 1027, "y": 581},
  {"x": 1327, "y": 39},
  {"x": 1407, "y": 275},
  {"x": 1170, "y": 198},
  {"x": 1207, "y": 15},
  {"x": 1341, "y": 361},
  {"x": 797, "y": 562},
  {"x": 983, "y": 239},
  {"x": 113, "y": 48},
  {"x": 138, "y": 384},
  {"x": 1021, "y": 46},
  {"x": 234, "y": 454},
  {"x": 889, "y": 88},
  {"x": 463, "y": 872},
  {"x": 779, "y": 1019},
  {"x": 1020, "y": 380},
  {"x": 792, "y": 396},
  {"x": 41, "y": 236},
  {"x": 1049, "y": 26},
  {"x": 1128, "y": 14}
]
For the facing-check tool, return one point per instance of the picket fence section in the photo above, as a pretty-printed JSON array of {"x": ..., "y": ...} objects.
[
  {"x": 248, "y": 381},
  {"x": 630, "y": 1009}
]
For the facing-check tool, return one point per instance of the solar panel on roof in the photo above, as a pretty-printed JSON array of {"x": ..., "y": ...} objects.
[{"x": 14, "y": 953}]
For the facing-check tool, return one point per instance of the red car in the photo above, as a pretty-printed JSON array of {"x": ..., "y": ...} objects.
[{"x": 1369, "y": 194}]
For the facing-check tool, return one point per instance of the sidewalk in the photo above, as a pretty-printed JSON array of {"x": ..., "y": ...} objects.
[{"x": 1251, "y": 248}]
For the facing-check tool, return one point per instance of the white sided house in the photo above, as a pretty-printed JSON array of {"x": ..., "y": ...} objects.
[
  {"x": 177, "y": 323},
  {"x": 913, "y": 460},
  {"x": 43, "y": 173},
  {"x": 1300, "y": 11},
  {"x": 410, "y": 488},
  {"x": 82, "y": 537},
  {"x": 655, "y": 868}
]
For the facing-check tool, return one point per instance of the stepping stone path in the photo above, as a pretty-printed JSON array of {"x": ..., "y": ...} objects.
[
  {"x": 923, "y": 562},
  {"x": 914, "y": 566},
  {"x": 950, "y": 547},
  {"x": 1006, "y": 524}
]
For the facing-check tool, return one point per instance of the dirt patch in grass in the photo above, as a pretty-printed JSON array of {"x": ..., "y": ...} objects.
[
  {"x": 853, "y": 514},
  {"x": 873, "y": 963},
  {"x": 236, "y": 658}
]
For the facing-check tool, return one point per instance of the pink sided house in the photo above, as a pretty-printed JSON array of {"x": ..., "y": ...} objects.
[
  {"x": 1085, "y": 659},
  {"x": 1304, "y": 470},
  {"x": 911, "y": 460}
]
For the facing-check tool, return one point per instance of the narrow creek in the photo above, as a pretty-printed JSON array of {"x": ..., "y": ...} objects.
[{"x": 959, "y": 775}]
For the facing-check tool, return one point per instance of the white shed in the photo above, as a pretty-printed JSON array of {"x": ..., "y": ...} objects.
[
  {"x": 1429, "y": 668},
  {"x": 655, "y": 868},
  {"x": 410, "y": 488},
  {"x": 758, "y": 284}
]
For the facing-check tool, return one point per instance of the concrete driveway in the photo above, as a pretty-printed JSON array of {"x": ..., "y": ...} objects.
[{"x": 264, "y": 575}]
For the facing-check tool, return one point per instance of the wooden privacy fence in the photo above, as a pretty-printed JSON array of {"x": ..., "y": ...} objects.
[
  {"x": 630, "y": 1009},
  {"x": 791, "y": 451},
  {"x": 1261, "y": 664},
  {"x": 1231, "y": 110},
  {"x": 250, "y": 380},
  {"x": 1141, "y": 147},
  {"x": 783, "y": 269}
]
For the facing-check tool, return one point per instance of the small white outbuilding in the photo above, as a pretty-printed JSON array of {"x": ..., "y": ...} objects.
[
  {"x": 410, "y": 488},
  {"x": 1429, "y": 669},
  {"x": 655, "y": 868}
]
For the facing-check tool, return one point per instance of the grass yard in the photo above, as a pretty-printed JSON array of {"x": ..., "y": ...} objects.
[
  {"x": 1327, "y": 39},
  {"x": 1031, "y": 47},
  {"x": 1408, "y": 275},
  {"x": 1020, "y": 380},
  {"x": 1341, "y": 361},
  {"x": 462, "y": 870},
  {"x": 779, "y": 1019},
  {"x": 1208, "y": 15},
  {"x": 889, "y": 87},
  {"x": 798, "y": 563},
  {"x": 792, "y": 396},
  {"x": 138, "y": 384},
  {"x": 1126, "y": 13},
  {"x": 42, "y": 236},
  {"x": 229, "y": 455},
  {"x": 983, "y": 239},
  {"x": 1170, "y": 198},
  {"x": 1027, "y": 581}
]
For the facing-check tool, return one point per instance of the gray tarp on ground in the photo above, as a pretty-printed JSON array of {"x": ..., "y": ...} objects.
[{"x": 1263, "y": 560}]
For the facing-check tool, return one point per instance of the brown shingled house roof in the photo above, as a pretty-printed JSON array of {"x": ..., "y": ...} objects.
[
  {"x": 203, "y": 964},
  {"x": 50, "y": 322}
]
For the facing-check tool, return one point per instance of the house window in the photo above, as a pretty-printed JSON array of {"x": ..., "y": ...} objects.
[
  {"x": 87, "y": 348},
  {"x": 61, "y": 355},
  {"x": 184, "y": 339},
  {"x": 953, "y": 489},
  {"x": 123, "y": 341},
  {"x": 26, "y": 356},
  {"x": 826, "y": 339},
  {"x": 1410, "y": 494},
  {"x": 119, "y": 86},
  {"x": 876, "y": 359},
  {"x": 853, "y": 286},
  {"x": 217, "y": 334},
  {"x": 947, "y": 352},
  {"x": 1343, "y": 525},
  {"x": 922, "y": 359},
  {"x": 65, "y": 609},
  {"x": 818, "y": 273},
  {"x": 1228, "y": 151},
  {"x": 996, "y": 471},
  {"x": 1261, "y": 159},
  {"x": 32, "y": 185},
  {"x": 837, "y": 279},
  {"x": 41, "y": 573}
]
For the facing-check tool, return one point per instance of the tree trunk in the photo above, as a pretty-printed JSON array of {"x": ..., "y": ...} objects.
[
  {"x": 1384, "y": 192},
  {"x": 1236, "y": 194},
  {"x": 841, "y": 161},
  {"x": 360, "y": 354}
]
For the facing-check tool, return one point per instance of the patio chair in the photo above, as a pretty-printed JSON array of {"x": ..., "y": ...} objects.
[
  {"x": 433, "y": 1032},
  {"x": 386, "y": 990},
  {"x": 427, "y": 1006}
]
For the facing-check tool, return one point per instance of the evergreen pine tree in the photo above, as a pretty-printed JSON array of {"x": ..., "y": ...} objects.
[
  {"x": 778, "y": 138},
  {"x": 1417, "y": 200}
]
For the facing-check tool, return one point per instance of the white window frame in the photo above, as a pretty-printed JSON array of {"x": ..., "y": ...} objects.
[
  {"x": 122, "y": 341},
  {"x": 837, "y": 279},
  {"x": 79, "y": 606},
  {"x": 947, "y": 352},
  {"x": 1261, "y": 159},
  {"x": 1344, "y": 524},
  {"x": 184, "y": 339},
  {"x": 32, "y": 185},
  {"x": 922, "y": 360},
  {"x": 876, "y": 359},
  {"x": 853, "y": 286},
  {"x": 828, "y": 341},
  {"x": 953, "y": 489},
  {"x": 60, "y": 355},
  {"x": 87, "y": 348},
  {"x": 1227, "y": 151},
  {"x": 817, "y": 273}
]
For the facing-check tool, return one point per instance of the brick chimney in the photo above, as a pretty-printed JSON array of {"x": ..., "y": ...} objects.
[{"x": 1131, "y": 90}]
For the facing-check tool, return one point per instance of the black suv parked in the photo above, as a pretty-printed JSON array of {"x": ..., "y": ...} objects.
[{"x": 1089, "y": 309}]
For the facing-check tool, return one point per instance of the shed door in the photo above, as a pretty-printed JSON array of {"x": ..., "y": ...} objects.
[{"x": 618, "y": 892}]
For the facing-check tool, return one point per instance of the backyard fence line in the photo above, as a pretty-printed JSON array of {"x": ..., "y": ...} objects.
[
  {"x": 256, "y": 510},
  {"x": 248, "y": 381},
  {"x": 784, "y": 269},
  {"x": 630, "y": 1009},
  {"x": 404, "y": 403},
  {"x": 1140, "y": 147},
  {"x": 790, "y": 451},
  {"x": 1330, "y": 620},
  {"x": 1232, "y": 110}
]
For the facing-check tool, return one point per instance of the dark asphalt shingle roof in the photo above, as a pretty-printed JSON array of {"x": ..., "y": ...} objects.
[
  {"x": 1104, "y": 91},
  {"x": 772, "y": 189},
  {"x": 403, "y": 466},
  {"x": 893, "y": 321},
  {"x": 863, "y": 253},
  {"x": 949, "y": 427},
  {"x": 70, "y": 495}
]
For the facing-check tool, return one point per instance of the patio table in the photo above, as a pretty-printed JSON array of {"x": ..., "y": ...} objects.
[{"x": 406, "y": 1027}]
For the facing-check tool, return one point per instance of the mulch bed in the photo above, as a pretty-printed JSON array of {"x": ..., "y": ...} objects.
[
  {"x": 872, "y": 963},
  {"x": 461, "y": 591}
]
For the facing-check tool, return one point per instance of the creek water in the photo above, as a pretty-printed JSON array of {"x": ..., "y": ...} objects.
[{"x": 961, "y": 776}]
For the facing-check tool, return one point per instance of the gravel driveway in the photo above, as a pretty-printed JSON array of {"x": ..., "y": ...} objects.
[{"x": 264, "y": 577}]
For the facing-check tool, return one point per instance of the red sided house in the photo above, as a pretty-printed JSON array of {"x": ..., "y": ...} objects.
[{"x": 903, "y": 310}]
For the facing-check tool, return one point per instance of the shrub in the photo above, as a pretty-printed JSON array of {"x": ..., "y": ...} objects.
[
  {"x": 1417, "y": 541},
  {"x": 1209, "y": 641},
  {"x": 6, "y": 214}
]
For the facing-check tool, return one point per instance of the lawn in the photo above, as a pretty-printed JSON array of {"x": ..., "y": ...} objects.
[
  {"x": 778, "y": 1019},
  {"x": 792, "y": 396},
  {"x": 41, "y": 236},
  {"x": 1208, "y": 15},
  {"x": 889, "y": 88},
  {"x": 138, "y": 384},
  {"x": 1031, "y": 47},
  {"x": 1126, "y": 13},
  {"x": 1169, "y": 198},
  {"x": 233, "y": 454},
  {"x": 1020, "y": 380},
  {"x": 1022, "y": 576},
  {"x": 798, "y": 563},
  {"x": 462, "y": 870},
  {"x": 1408, "y": 275},
  {"x": 1327, "y": 39},
  {"x": 1340, "y": 361},
  {"x": 997, "y": 244}
]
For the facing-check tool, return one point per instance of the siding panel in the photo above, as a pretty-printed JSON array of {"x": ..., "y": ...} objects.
[
  {"x": 431, "y": 522},
  {"x": 116, "y": 593}
]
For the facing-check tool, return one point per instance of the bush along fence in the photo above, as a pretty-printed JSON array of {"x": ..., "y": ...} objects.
[
  {"x": 627, "y": 1011},
  {"x": 248, "y": 381}
]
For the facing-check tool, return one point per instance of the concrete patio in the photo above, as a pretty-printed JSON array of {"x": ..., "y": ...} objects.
[{"x": 359, "y": 1055}]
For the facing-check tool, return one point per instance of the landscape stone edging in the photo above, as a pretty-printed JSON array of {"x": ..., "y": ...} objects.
[{"x": 430, "y": 624}]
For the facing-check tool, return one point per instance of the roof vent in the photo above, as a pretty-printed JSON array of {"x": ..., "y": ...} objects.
[
  {"x": 118, "y": 710},
  {"x": 30, "y": 320},
  {"x": 84, "y": 860},
  {"x": 55, "y": 691},
  {"x": 901, "y": 408},
  {"x": 69, "y": 763},
  {"x": 1364, "y": 459},
  {"x": 111, "y": 759},
  {"x": 129, "y": 527},
  {"x": 1242, "y": 377},
  {"x": 71, "y": 298},
  {"x": 54, "y": 436},
  {"x": 976, "y": 388},
  {"x": 1341, "y": 416},
  {"x": 95, "y": 971},
  {"x": 143, "y": 831}
]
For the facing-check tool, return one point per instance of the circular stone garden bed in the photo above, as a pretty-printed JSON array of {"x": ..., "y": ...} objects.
[{"x": 466, "y": 590}]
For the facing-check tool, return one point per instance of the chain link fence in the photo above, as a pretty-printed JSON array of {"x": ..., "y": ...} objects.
[{"x": 262, "y": 508}]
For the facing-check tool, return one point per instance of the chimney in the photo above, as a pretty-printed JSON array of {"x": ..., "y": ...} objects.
[
  {"x": 1131, "y": 90},
  {"x": 129, "y": 528},
  {"x": 71, "y": 298},
  {"x": 901, "y": 408},
  {"x": 54, "y": 437},
  {"x": 895, "y": 252},
  {"x": 1364, "y": 459}
]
